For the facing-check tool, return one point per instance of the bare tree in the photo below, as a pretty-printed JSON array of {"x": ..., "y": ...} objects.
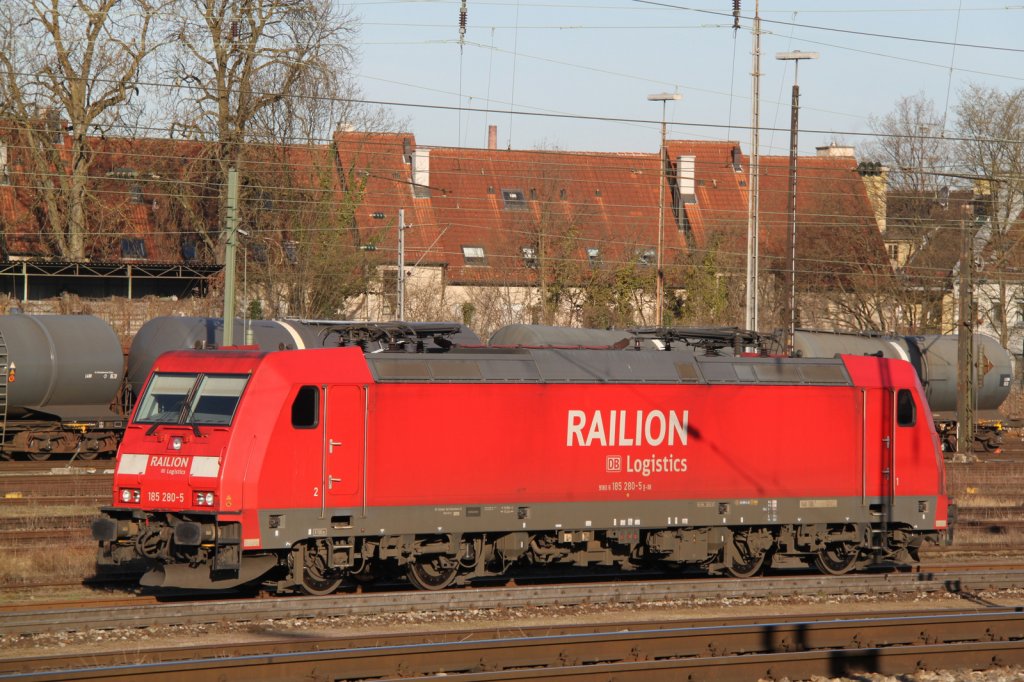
[
  {"x": 990, "y": 127},
  {"x": 247, "y": 60},
  {"x": 711, "y": 294},
  {"x": 68, "y": 69},
  {"x": 910, "y": 142},
  {"x": 268, "y": 71},
  {"x": 301, "y": 248}
]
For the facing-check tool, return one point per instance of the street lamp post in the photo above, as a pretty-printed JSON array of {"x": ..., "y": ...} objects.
[
  {"x": 659, "y": 287},
  {"x": 790, "y": 313}
]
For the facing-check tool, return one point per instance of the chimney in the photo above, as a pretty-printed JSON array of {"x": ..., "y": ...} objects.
[
  {"x": 686, "y": 180},
  {"x": 834, "y": 149},
  {"x": 421, "y": 173},
  {"x": 492, "y": 137},
  {"x": 875, "y": 176}
]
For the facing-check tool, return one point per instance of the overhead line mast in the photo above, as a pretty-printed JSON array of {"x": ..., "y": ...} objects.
[{"x": 753, "y": 196}]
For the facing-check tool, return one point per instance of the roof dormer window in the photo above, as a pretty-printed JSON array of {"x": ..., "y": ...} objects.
[
  {"x": 474, "y": 255},
  {"x": 515, "y": 199},
  {"x": 529, "y": 256}
]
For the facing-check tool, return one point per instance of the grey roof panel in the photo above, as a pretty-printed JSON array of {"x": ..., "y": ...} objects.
[{"x": 600, "y": 367}]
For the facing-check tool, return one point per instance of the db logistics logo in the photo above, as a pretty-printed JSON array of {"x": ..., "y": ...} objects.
[{"x": 613, "y": 464}]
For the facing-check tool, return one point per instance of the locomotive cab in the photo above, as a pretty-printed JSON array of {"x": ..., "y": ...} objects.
[
  {"x": 227, "y": 456},
  {"x": 173, "y": 500}
]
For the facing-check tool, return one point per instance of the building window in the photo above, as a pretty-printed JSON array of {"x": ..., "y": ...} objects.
[
  {"x": 594, "y": 255},
  {"x": 474, "y": 255},
  {"x": 133, "y": 248},
  {"x": 894, "y": 252},
  {"x": 514, "y": 199},
  {"x": 290, "y": 247},
  {"x": 257, "y": 253},
  {"x": 529, "y": 256},
  {"x": 1020, "y": 313},
  {"x": 646, "y": 256}
]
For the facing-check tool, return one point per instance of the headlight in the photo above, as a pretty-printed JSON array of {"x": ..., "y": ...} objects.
[
  {"x": 131, "y": 495},
  {"x": 204, "y": 499}
]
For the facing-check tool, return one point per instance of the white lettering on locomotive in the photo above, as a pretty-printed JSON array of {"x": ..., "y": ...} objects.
[
  {"x": 645, "y": 466},
  {"x": 167, "y": 461},
  {"x": 620, "y": 428}
]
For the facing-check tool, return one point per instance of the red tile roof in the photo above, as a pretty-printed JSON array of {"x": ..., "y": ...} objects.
[
  {"x": 504, "y": 201},
  {"x": 836, "y": 229},
  {"x": 498, "y": 200}
]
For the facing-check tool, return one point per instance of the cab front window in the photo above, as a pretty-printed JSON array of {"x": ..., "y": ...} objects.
[{"x": 191, "y": 399}]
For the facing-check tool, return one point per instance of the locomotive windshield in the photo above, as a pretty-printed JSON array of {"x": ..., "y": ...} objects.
[{"x": 191, "y": 399}]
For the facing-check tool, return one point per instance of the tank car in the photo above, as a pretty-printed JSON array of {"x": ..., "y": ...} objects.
[
  {"x": 59, "y": 393},
  {"x": 162, "y": 334},
  {"x": 935, "y": 359},
  {"x": 306, "y": 469},
  {"x": 933, "y": 356}
]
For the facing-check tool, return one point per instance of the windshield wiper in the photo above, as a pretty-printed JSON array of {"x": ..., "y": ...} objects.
[{"x": 187, "y": 402}]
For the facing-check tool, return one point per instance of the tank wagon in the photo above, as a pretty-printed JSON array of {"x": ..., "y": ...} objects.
[
  {"x": 162, "y": 334},
  {"x": 934, "y": 357},
  {"x": 59, "y": 393},
  {"x": 302, "y": 470}
]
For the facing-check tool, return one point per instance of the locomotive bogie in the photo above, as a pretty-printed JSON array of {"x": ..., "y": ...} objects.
[{"x": 317, "y": 565}]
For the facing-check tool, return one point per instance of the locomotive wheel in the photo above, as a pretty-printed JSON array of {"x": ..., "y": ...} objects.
[
  {"x": 747, "y": 567},
  {"x": 837, "y": 558},
  {"x": 745, "y": 555},
  {"x": 37, "y": 455},
  {"x": 319, "y": 586},
  {"x": 316, "y": 577},
  {"x": 433, "y": 572}
]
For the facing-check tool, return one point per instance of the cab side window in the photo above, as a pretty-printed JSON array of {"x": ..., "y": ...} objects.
[
  {"x": 306, "y": 408},
  {"x": 906, "y": 409}
]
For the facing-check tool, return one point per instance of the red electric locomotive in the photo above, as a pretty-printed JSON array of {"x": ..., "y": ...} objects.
[{"x": 303, "y": 469}]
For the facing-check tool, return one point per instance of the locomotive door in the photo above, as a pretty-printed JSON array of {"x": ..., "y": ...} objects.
[
  {"x": 899, "y": 416},
  {"x": 344, "y": 439},
  {"x": 888, "y": 453}
]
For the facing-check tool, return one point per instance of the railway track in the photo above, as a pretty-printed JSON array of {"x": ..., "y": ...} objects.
[
  {"x": 732, "y": 649},
  {"x": 18, "y": 467},
  {"x": 64, "y": 495},
  {"x": 96, "y": 615}
]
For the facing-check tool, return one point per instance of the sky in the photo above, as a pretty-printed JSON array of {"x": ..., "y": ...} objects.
[{"x": 576, "y": 76}]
